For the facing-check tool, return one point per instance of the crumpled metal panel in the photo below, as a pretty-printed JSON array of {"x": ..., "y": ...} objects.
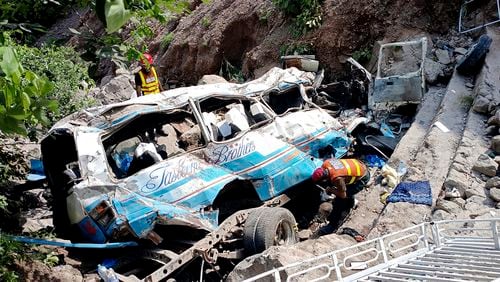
[
  {"x": 397, "y": 89},
  {"x": 176, "y": 191},
  {"x": 275, "y": 78},
  {"x": 316, "y": 129}
]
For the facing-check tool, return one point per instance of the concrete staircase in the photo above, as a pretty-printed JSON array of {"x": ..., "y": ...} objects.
[{"x": 453, "y": 262}]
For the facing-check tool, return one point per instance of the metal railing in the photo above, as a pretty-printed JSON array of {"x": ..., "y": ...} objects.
[
  {"x": 360, "y": 260},
  {"x": 463, "y": 11}
]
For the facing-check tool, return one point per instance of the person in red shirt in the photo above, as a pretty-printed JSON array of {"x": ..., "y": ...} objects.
[{"x": 344, "y": 178}]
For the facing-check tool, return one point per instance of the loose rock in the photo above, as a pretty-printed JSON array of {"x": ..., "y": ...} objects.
[
  {"x": 441, "y": 215},
  {"x": 211, "y": 79},
  {"x": 443, "y": 56},
  {"x": 456, "y": 180},
  {"x": 481, "y": 105},
  {"x": 448, "y": 206},
  {"x": 491, "y": 130},
  {"x": 493, "y": 183},
  {"x": 495, "y": 144},
  {"x": 433, "y": 70},
  {"x": 495, "y": 194},
  {"x": 495, "y": 119},
  {"x": 459, "y": 201},
  {"x": 486, "y": 165}
]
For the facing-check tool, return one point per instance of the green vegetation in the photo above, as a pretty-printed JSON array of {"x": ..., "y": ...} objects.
[
  {"x": 10, "y": 251},
  {"x": 299, "y": 48},
  {"x": 467, "y": 101},
  {"x": 166, "y": 40},
  {"x": 205, "y": 22},
  {"x": 24, "y": 96},
  {"x": 231, "y": 73},
  {"x": 265, "y": 14},
  {"x": 306, "y": 14},
  {"x": 65, "y": 69},
  {"x": 363, "y": 55},
  {"x": 43, "y": 12}
]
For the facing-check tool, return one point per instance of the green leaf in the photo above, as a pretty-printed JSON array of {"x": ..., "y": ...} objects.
[
  {"x": 17, "y": 114},
  {"x": 116, "y": 15},
  {"x": 9, "y": 65},
  {"x": 25, "y": 100},
  {"x": 52, "y": 105},
  {"x": 45, "y": 86},
  {"x": 9, "y": 93}
]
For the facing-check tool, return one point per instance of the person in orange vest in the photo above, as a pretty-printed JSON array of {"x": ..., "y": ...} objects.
[
  {"x": 146, "y": 80},
  {"x": 344, "y": 178}
]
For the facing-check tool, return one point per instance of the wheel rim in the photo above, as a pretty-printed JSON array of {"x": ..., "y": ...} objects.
[{"x": 284, "y": 234}]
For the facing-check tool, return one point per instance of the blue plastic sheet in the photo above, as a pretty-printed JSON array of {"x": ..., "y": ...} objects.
[
  {"x": 374, "y": 161},
  {"x": 418, "y": 192},
  {"x": 36, "y": 172}
]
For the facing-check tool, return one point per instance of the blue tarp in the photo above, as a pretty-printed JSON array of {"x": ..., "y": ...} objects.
[{"x": 418, "y": 192}]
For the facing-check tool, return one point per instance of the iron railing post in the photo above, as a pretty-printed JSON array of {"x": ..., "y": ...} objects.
[
  {"x": 494, "y": 231},
  {"x": 337, "y": 268},
  {"x": 435, "y": 234}
]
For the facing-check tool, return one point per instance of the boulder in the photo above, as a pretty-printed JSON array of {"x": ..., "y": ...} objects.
[
  {"x": 456, "y": 180},
  {"x": 441, "y": 215},
  {"x": 256, "y": 264},
  {"x": 192, "y": 137},
  {"x": 117, "y": 89},
  {"x": 481, "y": 105},
  {"x": 495, "y": 194},
  {"x": 433, "y": 70},
  {"x": 474, "y": 191},
  {"x": 495, "y": 144},
  {"x": 477, "y": 205},
  {"x": 495, "y": 119},
  {"x": 168, "y": 138},
  {"x": 486, "y": 165},
  {"x": 448, "y": 206},
  {"x": 443, "y": 56},
  {"x": 459, "y": 201},
  {"x": 491, "y": 130},
  {"x": 211, "y": 79},
  {"x": 493, "y": 183}
]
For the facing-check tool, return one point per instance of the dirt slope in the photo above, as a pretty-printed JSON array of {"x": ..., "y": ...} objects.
[{"x": 249, "y": 33}]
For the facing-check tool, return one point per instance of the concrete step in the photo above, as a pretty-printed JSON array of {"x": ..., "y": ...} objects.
[
  {"x": 474, "y": 143},
  {"x": 428, "y": 152}
]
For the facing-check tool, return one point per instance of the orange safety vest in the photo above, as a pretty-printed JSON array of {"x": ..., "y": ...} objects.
[
  {"x": 350, "y": 169},
  {"x": 149, "y": 82}
]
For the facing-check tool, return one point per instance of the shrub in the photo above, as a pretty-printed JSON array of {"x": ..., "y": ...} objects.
[
  {"x": 306, "y": 14},
  {"x": 65, "y": 69},
  {"x": 166, "y": 40}
]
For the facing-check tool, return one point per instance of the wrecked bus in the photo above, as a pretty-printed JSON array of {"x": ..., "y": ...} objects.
[{"x": 212, "y": 163}]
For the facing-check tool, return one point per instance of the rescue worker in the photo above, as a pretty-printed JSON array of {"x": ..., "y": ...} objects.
[
  {"x": 146, "y": 80},
  {"x": 344, "y": 178}
]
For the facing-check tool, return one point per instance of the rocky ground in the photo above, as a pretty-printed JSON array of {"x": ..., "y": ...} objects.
[{"x": 461, "y": 165}]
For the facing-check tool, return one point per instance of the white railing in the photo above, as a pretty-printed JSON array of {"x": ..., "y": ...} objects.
[
  {"x": 368, "y": 257},
  {"x": 463, "y": 12}
]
